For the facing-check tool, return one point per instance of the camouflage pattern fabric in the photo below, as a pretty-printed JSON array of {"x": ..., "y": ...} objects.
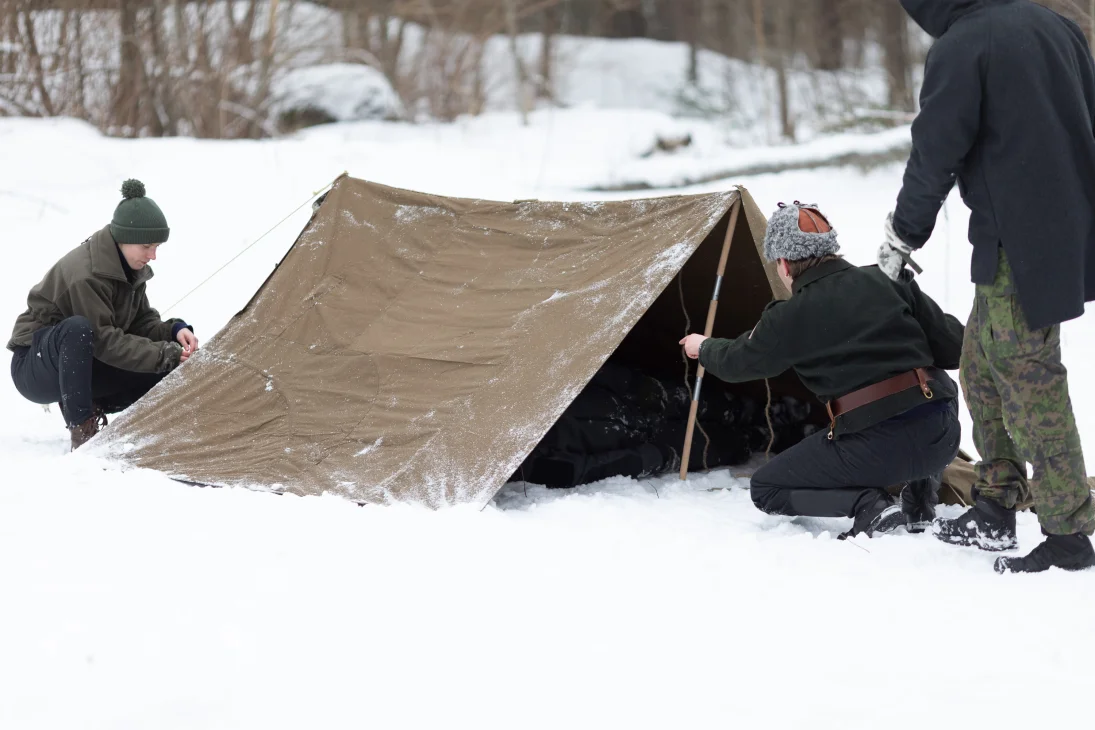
[
  {"x": 1017, "y": 392},
  {"x": 960, "y": 478}
]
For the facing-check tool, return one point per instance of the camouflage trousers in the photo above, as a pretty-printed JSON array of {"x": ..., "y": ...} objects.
[{"x": 1017, "y": 392}]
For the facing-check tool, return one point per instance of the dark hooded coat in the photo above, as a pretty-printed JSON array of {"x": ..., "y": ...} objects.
[{"x": 1007, "y": 110}]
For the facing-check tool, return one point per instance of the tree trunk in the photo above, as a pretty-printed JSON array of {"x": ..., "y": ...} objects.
[
  {"x": 30, "y": 43},
  {"x": 786, "y": 124},
  {"x": 266, "y": 73},
  {"x": 545, "y": 89},
  {"x": 81, "y": 75},
  {"x": 895, "y": 46},
  {"x": 780, "y": 53},
  {"x": 154, "y": 73},
  {"x": 761, "y": 43},
  {"x": 7, "y": 36},
  {"x": 127, "y": 91},
  {"x": 520, "y": 72},
  {"x": 245, "y": 53},
  {"x": 828, "y": 34},
  {"x": 693, "y": 24}
]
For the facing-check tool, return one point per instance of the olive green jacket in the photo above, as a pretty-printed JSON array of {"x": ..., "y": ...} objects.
[{"x": 89, "y": 281}]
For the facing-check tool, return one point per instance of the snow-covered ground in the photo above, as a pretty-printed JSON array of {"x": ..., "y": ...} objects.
[{"x": 130, "y": 601}]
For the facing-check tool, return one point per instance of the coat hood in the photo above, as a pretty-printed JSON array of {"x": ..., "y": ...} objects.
[{"x": 936, "y": 16}]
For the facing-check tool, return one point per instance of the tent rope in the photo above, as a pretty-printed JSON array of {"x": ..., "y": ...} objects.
[
  {"x": 688, "y": 386},
  {"x": 687, "y": 367},
  {"x": 253, "y": 243}
]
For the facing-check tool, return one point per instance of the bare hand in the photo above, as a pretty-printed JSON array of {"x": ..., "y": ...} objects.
[
  {"x": 692, "y": 345},
  {"x": 189, "y": 344}
]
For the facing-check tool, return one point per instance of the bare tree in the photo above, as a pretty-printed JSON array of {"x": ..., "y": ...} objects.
[
  {"x": 552, "y": 19},
  {"x": 828, "y": 34},
  {"x": 895, "y": 46},
  {"x": 521, "y": 75}
]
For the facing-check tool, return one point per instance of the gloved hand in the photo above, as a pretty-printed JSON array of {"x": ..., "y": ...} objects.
[{"x": 890, "y": 258}]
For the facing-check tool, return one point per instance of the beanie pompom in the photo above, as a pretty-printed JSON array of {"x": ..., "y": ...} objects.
[{"x": 132, "y": 189}]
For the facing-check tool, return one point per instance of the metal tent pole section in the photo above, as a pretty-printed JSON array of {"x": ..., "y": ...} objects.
[{"x": 708, "y": 328}]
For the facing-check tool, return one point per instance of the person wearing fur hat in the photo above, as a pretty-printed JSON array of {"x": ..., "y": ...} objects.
[
  {"x": 89, "y": 339},
  {"x": 874, "y": 351}
]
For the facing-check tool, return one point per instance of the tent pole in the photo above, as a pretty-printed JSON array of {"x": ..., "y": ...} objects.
[{"x": 686, "y": 453}]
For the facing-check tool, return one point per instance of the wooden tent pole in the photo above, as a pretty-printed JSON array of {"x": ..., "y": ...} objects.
[{"x": 708, "y": 328}]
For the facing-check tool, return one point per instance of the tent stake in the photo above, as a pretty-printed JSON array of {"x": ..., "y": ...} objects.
[{"x": 693, "y": 410}]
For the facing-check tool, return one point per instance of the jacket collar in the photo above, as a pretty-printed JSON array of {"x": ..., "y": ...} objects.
[
  {"x": 819, "y": 272},
  {"x": 105, "y": 261}
]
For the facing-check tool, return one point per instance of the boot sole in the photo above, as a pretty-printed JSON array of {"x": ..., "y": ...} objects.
[
  {"x": 890, "y": 523},
  {"x": 886, "y": 524},
  {"x": 989, "y": 546}
]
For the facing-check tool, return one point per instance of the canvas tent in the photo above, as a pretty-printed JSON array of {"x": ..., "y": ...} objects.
[{"x": 417, "y": 347}]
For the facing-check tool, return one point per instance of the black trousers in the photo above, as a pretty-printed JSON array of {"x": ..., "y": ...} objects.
[
  {"x": 59, "y": 367},
  {"x": 822, "y": 478}
]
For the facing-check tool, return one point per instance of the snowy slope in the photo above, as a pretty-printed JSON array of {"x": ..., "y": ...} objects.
[{"x": 130, "y": 601}]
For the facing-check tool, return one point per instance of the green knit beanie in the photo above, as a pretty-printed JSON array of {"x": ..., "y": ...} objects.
[{"x": 138, "y": 219}]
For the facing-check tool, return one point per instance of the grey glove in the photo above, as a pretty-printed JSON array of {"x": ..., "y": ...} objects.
[{"x": 893, "y": 252}]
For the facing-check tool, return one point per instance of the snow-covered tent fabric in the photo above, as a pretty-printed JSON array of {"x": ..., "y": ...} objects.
[{"x": 417, "y": 347}]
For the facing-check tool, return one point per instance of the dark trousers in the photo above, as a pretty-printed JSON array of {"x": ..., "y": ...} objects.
[
  {"x": 822, "y": 478},
  {"x": 59, "y": 367}
]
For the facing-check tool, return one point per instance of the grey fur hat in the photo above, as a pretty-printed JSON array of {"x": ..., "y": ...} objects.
[{"x": 786, "y": 238}]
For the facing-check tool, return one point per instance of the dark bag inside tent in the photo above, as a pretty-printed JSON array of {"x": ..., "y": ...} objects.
[{"x": 631, "y": 418}]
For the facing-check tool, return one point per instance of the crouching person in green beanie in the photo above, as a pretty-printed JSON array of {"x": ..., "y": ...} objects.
[{"x": 89, "y": 339}]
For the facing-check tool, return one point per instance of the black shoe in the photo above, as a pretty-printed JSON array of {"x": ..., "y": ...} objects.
[
  {"x": 878, "y": 517},
  {"x": 918, "y": 500},
  {"x": 986, "y": 525},
  {"x": 1067, "y": 552}
]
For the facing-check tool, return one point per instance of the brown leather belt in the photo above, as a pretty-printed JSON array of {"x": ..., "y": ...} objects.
[{"x": 878, "y": 391}]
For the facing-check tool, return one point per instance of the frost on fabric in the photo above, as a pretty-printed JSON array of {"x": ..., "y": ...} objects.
[
  {"x": 371, "y": 447},
  {"x": 315, "y": 235},
  {"x": 673, "y": 258},
  {"x": 348, "y": 217},
  {"x": 415, "y": 213},
  {"x": 554, "y": 297}
]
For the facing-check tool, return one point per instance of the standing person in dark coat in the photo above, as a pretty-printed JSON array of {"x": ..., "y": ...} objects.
[
  {"x": 873, "y": 351},
  {"x": 89, "y": 339},
  {"x": 1006, "y": 112}
]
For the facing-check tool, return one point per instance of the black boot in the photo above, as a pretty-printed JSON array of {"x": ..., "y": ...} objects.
[
  {"x": 918, "y": 500},
  {"x": 1067, "y": 552},
  {"x": 877, "y": 516},
  {"x": 986, "y": 525}
]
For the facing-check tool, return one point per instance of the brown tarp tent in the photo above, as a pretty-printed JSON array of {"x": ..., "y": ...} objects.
[{"x": 417, "y": 347}]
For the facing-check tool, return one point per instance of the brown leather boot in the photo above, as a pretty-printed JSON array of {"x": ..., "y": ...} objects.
[{"x": 85, "y": 431}]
